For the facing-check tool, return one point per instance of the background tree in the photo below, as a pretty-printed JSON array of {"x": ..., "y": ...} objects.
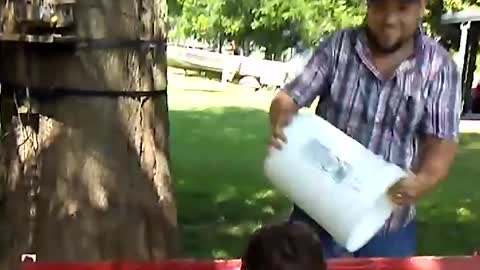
[
  {"x": 277, "y": 25},
  {"x": 273, "y": 24}
]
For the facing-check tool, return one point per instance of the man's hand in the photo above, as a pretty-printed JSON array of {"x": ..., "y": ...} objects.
[
  {"x": 408, "y": 190},
  {"x": 278, "y": 124},
  {"x": 434, "y": 161},
  {"x": 282, "y": 110}
]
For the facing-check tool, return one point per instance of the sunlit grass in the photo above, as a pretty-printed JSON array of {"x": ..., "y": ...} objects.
[{"x": 217, "y": 146}]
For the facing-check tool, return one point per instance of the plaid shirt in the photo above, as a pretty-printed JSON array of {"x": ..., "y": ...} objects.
[{"x": 386, "y": 115}]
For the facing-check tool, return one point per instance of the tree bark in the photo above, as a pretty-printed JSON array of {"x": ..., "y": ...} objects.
[{"x": 88, "y": 179}]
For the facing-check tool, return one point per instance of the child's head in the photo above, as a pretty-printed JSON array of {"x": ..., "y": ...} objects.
[{"x": 285, "y": 246}]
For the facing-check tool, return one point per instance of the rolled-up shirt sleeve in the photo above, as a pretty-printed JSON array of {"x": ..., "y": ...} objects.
[
  {"x": 443, "y": 106},
  {"x": 314, "y": 79}
]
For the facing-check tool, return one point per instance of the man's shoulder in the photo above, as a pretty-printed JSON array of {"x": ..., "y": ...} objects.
[
  {"x": 339, "y": 40},
  {"x": 436, "y": 58},
  {"x": 342, "y": 35}
]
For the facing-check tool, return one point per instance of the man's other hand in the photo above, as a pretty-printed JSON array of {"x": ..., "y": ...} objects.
[{"x": 408, "y": 190}]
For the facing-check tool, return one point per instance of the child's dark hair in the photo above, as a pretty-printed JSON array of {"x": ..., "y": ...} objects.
[{"x": 285, "y": 246}]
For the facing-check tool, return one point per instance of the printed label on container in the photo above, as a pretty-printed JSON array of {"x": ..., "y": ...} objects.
[{"x": 322, "y": 158}]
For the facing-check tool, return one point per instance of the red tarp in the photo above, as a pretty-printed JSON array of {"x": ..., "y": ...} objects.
[{"x": 416, "y": 263}]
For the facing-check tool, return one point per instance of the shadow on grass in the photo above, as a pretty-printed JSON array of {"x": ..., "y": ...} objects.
[
  {"x": 222, "y": 196},
  {"x": 217, "y": 157}
]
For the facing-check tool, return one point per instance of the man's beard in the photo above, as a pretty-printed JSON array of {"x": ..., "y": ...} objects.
[{"x": 379, "y": 48}]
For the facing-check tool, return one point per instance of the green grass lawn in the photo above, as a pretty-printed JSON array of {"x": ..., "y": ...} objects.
[{"x": 218, "y": 143}]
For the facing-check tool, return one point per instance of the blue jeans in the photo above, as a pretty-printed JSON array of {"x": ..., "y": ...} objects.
[{"x": 400, "y": 243}]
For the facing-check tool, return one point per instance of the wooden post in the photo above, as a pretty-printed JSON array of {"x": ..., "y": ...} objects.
[{"x": 88, "y": 177}]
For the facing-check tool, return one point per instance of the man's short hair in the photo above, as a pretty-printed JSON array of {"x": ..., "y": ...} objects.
[{"x": 285, "y": 246}]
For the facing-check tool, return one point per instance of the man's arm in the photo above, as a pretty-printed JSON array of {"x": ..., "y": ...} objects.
[
  {"x": 435, "y": 159},
  {"x": 314, "y": 79},
  {"x": 311, "y": 82},
  {"x": 440, "y": 127}
]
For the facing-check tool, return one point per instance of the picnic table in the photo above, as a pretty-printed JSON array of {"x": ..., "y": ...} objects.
[{"x": 414, "y": 263}]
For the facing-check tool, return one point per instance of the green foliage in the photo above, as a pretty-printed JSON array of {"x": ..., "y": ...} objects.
[
  {"x": 273, "y": 24},
  {"x": 211, "y": 20},
  {"x": 285, "y": 23},
  {"x": 278, "y": 24}
]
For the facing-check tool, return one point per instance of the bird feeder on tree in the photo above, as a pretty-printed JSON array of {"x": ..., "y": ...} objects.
[
  {"x": 40, "y": 20},
  {"x": 45, "y": 13}
]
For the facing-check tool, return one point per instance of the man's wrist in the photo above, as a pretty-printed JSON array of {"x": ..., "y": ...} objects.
[{"x": 428, "y": 181}]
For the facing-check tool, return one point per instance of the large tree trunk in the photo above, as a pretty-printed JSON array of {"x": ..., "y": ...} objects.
[{"x": 88, "y": 178}]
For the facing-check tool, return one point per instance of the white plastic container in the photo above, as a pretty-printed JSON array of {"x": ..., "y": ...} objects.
[{"x": 334, "y": 179}]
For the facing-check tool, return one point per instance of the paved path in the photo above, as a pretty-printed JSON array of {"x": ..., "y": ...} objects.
[
  {"x": 470, "y": 126},
  {"x": 200, "y": 93},
  {"x": 470, "y": 123}
]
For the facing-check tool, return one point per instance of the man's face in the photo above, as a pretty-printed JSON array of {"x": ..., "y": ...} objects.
[{"x": 392, "y": 22}]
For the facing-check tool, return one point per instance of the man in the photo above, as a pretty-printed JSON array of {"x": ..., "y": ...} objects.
[{"x": 394, "y": 90}]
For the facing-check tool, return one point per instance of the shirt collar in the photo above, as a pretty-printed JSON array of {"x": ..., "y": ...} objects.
[{"x": 416, "y": 63}]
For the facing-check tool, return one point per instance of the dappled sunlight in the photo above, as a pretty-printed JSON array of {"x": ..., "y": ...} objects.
[
  {"x": 466, "y": 201},
  {"x": 268, "y": 210},
  {"x": 47, "y": 133},
  {"x": 265, "y": 194},
  {"x": 466, "y": 215},
  {"x": 93, "y": 181},
  {"x": 218, "y": 254},
  {"x": 27, "y": 150},
  {"x": 218, "y": 148},
  {"x": 242, "y": 230},
  {"x": 227, "y": 194},
  {"x": 450, "y": 215}
]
